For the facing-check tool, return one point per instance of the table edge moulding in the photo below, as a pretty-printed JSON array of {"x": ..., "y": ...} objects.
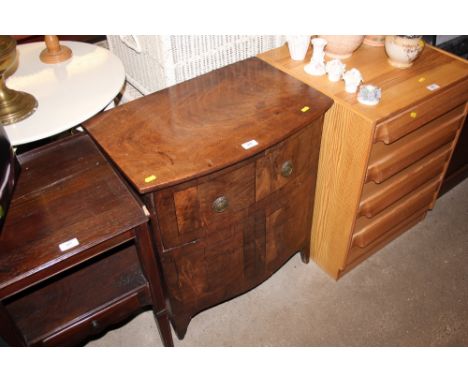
[
  {"x": 412, "y": 125},
  {"x": 226, "y": 164}
]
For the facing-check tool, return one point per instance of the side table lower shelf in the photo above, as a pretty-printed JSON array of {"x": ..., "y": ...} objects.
[
  {"x": 75, "y": 253},
  {"x": 68, "y": 305}
]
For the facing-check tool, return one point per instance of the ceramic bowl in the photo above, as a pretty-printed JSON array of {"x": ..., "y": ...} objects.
[
  {"x": 374, "y": 40},
  {"x": 341, "y": 46}
]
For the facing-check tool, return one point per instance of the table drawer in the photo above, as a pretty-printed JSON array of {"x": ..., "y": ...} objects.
[
  {"x": 377, "y": 197},
  {"x": 418, "y": 115},
  {"x": 369, "y": 230},
  {"x": 95, "y": 323},
  {"x": 186, "y": 213},
  {"x": 386, "y": 160}
]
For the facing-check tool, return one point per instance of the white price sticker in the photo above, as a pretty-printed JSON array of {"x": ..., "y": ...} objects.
[
  {"x": 249, "y": 144},
  {"x": 432, "y": 87},
  {"x": 65, "y": 246}
]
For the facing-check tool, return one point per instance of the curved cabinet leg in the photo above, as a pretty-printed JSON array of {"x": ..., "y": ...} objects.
[
  {"x": 305, "y": 256},
  {"x": 180, "y": 324}
]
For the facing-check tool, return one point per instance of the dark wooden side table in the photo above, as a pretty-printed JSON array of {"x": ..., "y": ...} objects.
[
  {"x": 75, "y": 251},
  {"x": 226, "y": 163}
]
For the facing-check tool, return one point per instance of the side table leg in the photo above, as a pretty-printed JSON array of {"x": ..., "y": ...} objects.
[
  {"x": 152, "y": 273},
  {"x": 9, "y": 331}
]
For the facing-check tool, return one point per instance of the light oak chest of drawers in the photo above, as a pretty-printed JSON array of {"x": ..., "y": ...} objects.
[{"x": 381, "y": 167}]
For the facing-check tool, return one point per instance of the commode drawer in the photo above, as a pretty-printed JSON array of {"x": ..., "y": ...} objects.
[
  {"x": 368, "y": 230},
  {"x": 386, "y": 160},
  {"x": 285, "y": 162},
  {"x": 377, "y": 197},
  {"x": 416, "y": 116},
  {"x": 187, "y": 213}
]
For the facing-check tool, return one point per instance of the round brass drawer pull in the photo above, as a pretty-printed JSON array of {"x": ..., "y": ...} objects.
[
  {"x": 220, "y": 204},
  {"x": 287, "y": 168}
]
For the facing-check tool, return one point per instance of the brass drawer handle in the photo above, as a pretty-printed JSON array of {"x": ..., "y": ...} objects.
[
  {"x": 220, "y": 204},
  {"x": 287, "y": 168}
]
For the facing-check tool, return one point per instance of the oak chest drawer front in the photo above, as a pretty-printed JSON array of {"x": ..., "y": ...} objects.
[
  {"x": 377, "y": 197},
  {"x": 186, "y": 213},
  {"x": 357, "y": 254},
  {"x": 386, "y": 160},
  {"x": 369, "y": 230},
  {"x": 288, "y": 160},
  {"x": 414, "y": 117}
]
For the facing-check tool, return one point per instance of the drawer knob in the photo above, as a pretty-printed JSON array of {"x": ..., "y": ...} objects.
[
  {"x": 287, "y": 168},
  {"x": 220, "y": 204}
]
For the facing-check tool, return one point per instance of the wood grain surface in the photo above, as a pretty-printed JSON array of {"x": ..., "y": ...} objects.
[
  {"x": 198, "y": 126},
  {"x": 344, "y": 152}
]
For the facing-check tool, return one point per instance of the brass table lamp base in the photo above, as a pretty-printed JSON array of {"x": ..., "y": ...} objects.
[
  {"x": 17, "y": 107},
  {"x": 14, "y": 105}
]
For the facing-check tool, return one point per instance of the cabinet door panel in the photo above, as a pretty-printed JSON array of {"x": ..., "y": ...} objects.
[
  {"x": 207, "y": 272},
  {"x": 288, "y": 225}
]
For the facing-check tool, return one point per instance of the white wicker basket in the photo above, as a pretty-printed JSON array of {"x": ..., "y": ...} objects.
[{"x": 156, "y": 62}]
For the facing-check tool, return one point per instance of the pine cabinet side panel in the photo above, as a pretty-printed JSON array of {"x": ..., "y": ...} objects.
[
  {"x": 344, "y": 153},
  {"x": 447, "y": 163}
]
